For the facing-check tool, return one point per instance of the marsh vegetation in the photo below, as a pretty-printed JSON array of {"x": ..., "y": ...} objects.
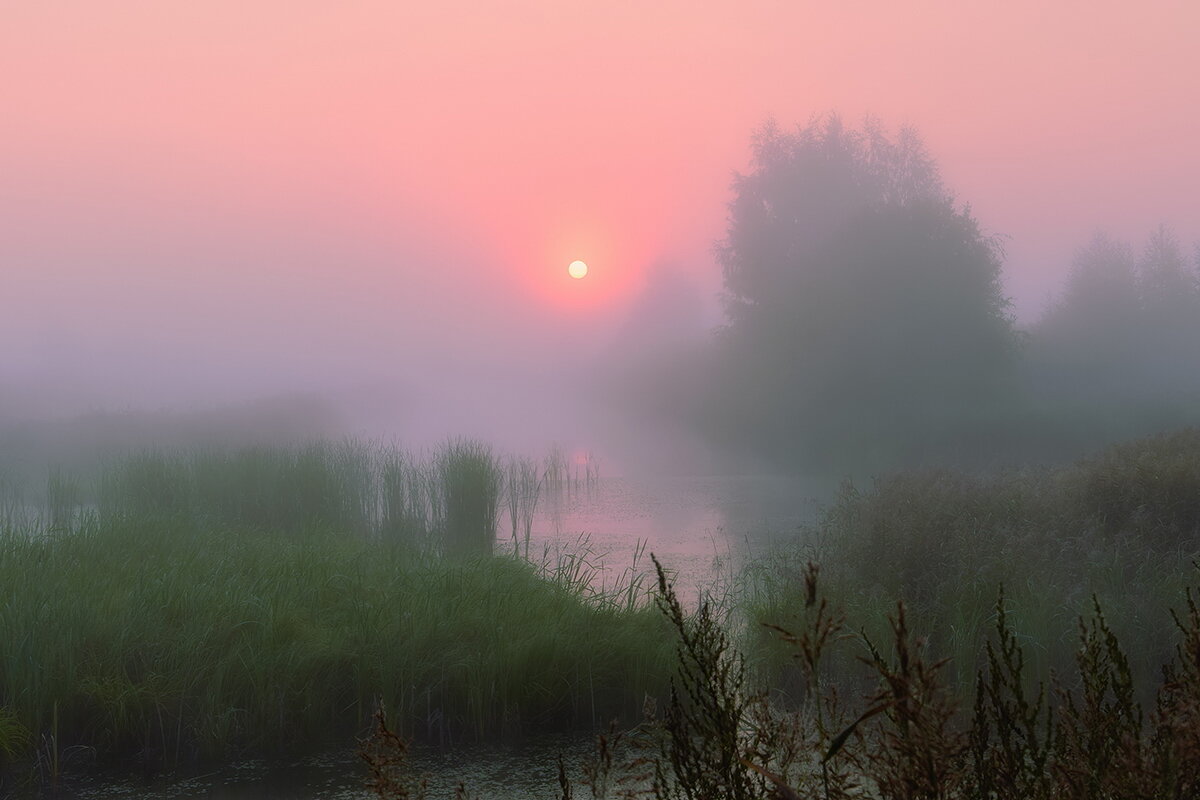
[
  {"x": 320, "y": 322},
  {"x": 197, "y": 605},
  {"x": 882, "y": 692},
  {"x": 214, "y": 603}
]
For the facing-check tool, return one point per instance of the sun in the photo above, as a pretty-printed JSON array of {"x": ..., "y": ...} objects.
[{"x": 577, "y": 269}]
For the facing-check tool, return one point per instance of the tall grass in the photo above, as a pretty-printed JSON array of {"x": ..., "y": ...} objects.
[
  {"x": 411, "y": 506},
  {"x": 446, "y": 500},
  {"x": 323, "y": 484},
  {"x": 1123, "y": 525},
  {"x": 193, "y": 603},
  {"x": 64, "y": 500},
  {"x": 557, "y": 474},
  {"x": 471, "y": 478},
  {"x": 172, "y": 640},
  {"x": 522, "y": 489},
  {"x": 267, "y": 599}
]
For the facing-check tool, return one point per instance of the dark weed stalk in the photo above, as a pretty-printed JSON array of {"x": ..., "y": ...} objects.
[
  {"x": 821, "y": 711},
  {"x": 917, "y": 752},
  {"x": 1099, "y": 749},
  {"x": 707, "y": 735},
  {"x": 617, "y": 767},
  {"x": 1013, "y": 735},
  {"x": 821, "y": 627},
  {"x": 386, "y": 756},
  {"x": 1175, "y": 741}
]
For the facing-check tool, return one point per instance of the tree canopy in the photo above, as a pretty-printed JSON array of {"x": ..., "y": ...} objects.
[{"x": 866, "y": 319}]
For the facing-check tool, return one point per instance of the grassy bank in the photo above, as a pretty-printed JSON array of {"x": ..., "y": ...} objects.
[
  {"x": 1123, "y": 526},
  {"x": 169, "y": 642}
]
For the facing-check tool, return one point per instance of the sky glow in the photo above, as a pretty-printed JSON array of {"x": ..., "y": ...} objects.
[{"x": 224, "y": 173}]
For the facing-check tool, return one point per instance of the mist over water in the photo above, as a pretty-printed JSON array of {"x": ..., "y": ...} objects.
[
  {"x": 285, "y": 312},
  {"x": 396, "y": 248}
]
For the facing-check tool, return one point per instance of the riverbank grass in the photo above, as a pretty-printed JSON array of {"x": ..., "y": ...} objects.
[{"x": 168, "y": 642}]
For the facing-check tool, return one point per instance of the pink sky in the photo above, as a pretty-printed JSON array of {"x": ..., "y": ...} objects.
[{"x": 235, "y": 183}]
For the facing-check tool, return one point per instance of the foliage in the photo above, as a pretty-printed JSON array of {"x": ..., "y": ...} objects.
[
  {"x": 1098, "y": 309},
  {"x": 867, "y": 327},
  {"x": 910, "y": 742},
  {"x": 866, "y": 318}
]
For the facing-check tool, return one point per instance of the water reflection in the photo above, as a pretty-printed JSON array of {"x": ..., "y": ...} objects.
[{"x": 701, "y": 528}]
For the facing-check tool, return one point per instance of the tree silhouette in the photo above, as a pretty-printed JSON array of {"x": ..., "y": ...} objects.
[
  {"x": 1096, "y": 320},
  {"x": 866, "y": 320},
  {"x": 1118, "y": 354}
]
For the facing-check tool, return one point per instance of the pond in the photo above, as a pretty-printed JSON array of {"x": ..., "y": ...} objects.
[{"x": 700, "y": 528}]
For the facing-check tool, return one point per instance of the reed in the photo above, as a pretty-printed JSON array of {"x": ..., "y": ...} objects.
[
  {"x": 410, "y": 506},
  {"x": 557, "y": 474},
  {"x": 446, "y": 500},
  {"x": 471, "y": 478},
  {"x": 592, "y": 471},
  {"x": 522, "y": 488}
]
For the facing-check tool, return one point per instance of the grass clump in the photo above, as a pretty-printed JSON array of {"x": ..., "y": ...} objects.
[{"x": 471, "y": 479}]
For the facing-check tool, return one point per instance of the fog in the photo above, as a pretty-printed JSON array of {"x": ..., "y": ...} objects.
[
  {"x": 316, "y": 441},
  {"x": 307, "y": 226}
]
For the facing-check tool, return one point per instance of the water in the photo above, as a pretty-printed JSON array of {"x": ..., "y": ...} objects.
[
  {"x": 700, "y": 528},
  {"x": 526, "y": 770}
]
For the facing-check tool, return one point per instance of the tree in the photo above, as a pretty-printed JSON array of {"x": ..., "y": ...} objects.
[
  {"x": 1096, "y": 320},
  {"x": 1117, "y": 354},
  {"x": 866, "y": 320},
  {"x": 1121, "y": 323},
  {"x": 1084, "y": 351},
  {"x": 1168, "y": 284},
  {"x": 1171, "y": 307}
]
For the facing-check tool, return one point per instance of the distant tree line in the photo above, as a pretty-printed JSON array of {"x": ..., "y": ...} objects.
[
  {"x": 867, "y": 327},
  {"x": 1119, "y": 350}
]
